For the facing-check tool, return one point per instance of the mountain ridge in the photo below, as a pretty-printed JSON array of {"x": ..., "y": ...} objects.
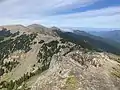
[
  {"x": 45, "y": 61},
  {"x": 113, "y": 35}
]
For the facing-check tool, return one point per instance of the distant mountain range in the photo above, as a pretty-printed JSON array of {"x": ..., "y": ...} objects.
[
  {"x": 91, "y": 41},
  {"x": 87, "y": 29},
  {"x": 112, "y": 35}
]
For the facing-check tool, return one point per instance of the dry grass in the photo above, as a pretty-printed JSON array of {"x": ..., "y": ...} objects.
[{"x": 71, "y": 83}]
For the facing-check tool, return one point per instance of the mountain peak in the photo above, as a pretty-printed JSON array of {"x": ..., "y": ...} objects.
[
  {"x": 55, "y": 28},
  {"x": 36, "y": 26},
  {"x": 14, "y": 28}
]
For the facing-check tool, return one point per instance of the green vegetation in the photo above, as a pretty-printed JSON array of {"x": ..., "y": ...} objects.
[
  {"x": 71, "y": 83},
  {"x": 9, "y": 46},
  {"x": 91, "y": 42},
  {"x": 10, "y": 65},
  {"x": 42, "y": 41},
  {"x": 5, "y": 33},
  {"x": 1, "y": 71},
  {"x": 22, "y": 42},
  {"x": 116, "y": 72},
  {"x": 63, "y": 40},
  {"x": 118, "y": 60},
  {"x": 67, "y": 36},
  {"x": 15, "y": 34},
  {"x": 1, "y": 38},
  {"x": 14, "y": 85},
  {"x": 46, "y": 52}
]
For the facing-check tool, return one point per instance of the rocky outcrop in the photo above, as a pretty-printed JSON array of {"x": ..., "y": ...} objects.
[{"x": 79, "y": 71}]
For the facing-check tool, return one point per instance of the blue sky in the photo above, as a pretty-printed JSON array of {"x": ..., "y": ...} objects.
[{"x": 61, "y": 13}]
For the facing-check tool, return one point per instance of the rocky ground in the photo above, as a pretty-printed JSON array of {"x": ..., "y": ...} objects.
[
  {"x": 94, "y": 72},
  {"x": 53, "y": 63}
]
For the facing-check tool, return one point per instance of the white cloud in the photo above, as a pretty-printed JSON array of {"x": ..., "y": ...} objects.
[
  {"x": 24, "y": 8},
  {"x": 103, "y": 18},
  {"x": 37, "y": 11}
]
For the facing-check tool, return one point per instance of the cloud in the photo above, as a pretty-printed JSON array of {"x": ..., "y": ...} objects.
[
  {"x": 40, "y": 11},
  {"x": 24, "y": 8},
  {"x": 1, "y": 1},
  {"x": 103, "y": 18},
  {"x": 109, "y": 11}
]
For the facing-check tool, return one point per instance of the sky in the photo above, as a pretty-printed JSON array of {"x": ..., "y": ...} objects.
[{"x": 61, "y": 13}]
